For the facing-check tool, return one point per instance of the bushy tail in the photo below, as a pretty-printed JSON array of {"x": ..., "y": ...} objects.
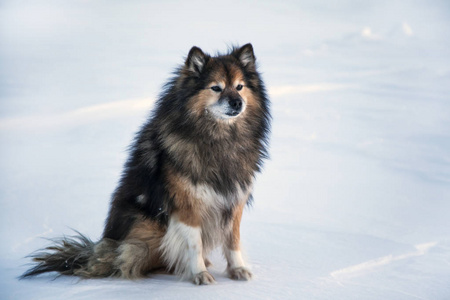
[{"x": 76, "y": 255}]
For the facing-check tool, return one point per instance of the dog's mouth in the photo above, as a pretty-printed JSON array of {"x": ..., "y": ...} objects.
[
  {"x": 225, "y": 115},
  {"x": 233, "y": 113},
  {"x": 224, "y": 111}
]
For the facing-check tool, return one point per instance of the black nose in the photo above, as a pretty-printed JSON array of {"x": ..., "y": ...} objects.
[{"x": 235, "y": 104}]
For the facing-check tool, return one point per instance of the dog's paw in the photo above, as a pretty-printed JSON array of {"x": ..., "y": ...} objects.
[
  {"x": 204, "y": 278},
  {"x": 240, "y": 273}
]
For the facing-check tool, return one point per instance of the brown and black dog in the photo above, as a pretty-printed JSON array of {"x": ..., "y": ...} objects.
[{"x": 189, "y": 175}]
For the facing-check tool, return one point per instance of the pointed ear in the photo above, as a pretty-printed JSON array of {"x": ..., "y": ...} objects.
[
  {"x": 246, "y": 56},
  {"x": 195, "y": 60}
]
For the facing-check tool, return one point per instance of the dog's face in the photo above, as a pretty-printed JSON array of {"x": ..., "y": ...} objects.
[
  {"x": 224, "y": 99},
  {"x": 222, "y": 89}
]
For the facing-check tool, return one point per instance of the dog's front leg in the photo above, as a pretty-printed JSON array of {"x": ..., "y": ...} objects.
[
  {"x": 182, "y": 249},
  {"x": 232, "y": 249}
]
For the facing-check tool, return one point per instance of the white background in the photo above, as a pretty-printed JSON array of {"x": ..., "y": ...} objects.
[{"x": 355, "y": 201}]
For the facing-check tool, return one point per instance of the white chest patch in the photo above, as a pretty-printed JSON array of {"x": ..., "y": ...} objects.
[
  {"x": 213, "y": 199},
  {"x": 213, "y": 207}
]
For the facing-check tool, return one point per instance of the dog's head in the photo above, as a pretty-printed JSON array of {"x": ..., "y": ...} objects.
[{"x": 223, "y": 86}]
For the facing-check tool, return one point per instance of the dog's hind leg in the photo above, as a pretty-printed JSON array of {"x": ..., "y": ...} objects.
[{"x": 139, "y": 252}]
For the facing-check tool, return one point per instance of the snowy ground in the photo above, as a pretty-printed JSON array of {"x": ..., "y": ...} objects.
[{"x": 355, "y": 201}]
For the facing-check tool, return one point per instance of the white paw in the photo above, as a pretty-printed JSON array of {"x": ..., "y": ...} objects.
[
  {"x": 204, "y": 278},
  {"x": 240, "y": 273}
]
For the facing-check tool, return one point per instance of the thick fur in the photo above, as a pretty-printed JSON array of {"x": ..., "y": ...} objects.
[{"x": 188, "y": 178}]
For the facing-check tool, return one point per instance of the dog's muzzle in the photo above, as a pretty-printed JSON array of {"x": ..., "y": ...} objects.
[{"x": 235, "y": 107}]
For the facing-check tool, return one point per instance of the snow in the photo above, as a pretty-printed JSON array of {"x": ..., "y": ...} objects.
[{"x": 354, "y": 203}]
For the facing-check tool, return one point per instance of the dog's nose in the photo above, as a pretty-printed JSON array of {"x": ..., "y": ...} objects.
[{"x": 235, "y": 104}]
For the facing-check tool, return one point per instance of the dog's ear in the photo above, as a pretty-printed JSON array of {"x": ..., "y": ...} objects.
[
  {"x": 195, "y": 60},
  {"x": 246, "y": 56}
]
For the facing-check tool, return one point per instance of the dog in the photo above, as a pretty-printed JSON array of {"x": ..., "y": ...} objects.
[{"x": 186, "y": 182}]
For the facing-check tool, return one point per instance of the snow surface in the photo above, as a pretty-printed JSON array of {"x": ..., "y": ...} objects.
[{"x": 355, "y": 201}]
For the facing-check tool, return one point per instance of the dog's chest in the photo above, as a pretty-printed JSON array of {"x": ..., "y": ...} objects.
[{"x": 216, "y": 211}]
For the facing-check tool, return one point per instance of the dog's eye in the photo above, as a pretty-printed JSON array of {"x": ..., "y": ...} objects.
[
  {"x": 216, "y": 88},
  {"x": 239, "y": 87}
]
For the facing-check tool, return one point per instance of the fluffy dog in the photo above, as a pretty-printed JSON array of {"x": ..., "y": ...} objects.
[{"x": 187, "y": 180}]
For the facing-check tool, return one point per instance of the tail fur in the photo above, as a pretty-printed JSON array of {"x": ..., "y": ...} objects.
[{"x": 76, "y": 255}]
